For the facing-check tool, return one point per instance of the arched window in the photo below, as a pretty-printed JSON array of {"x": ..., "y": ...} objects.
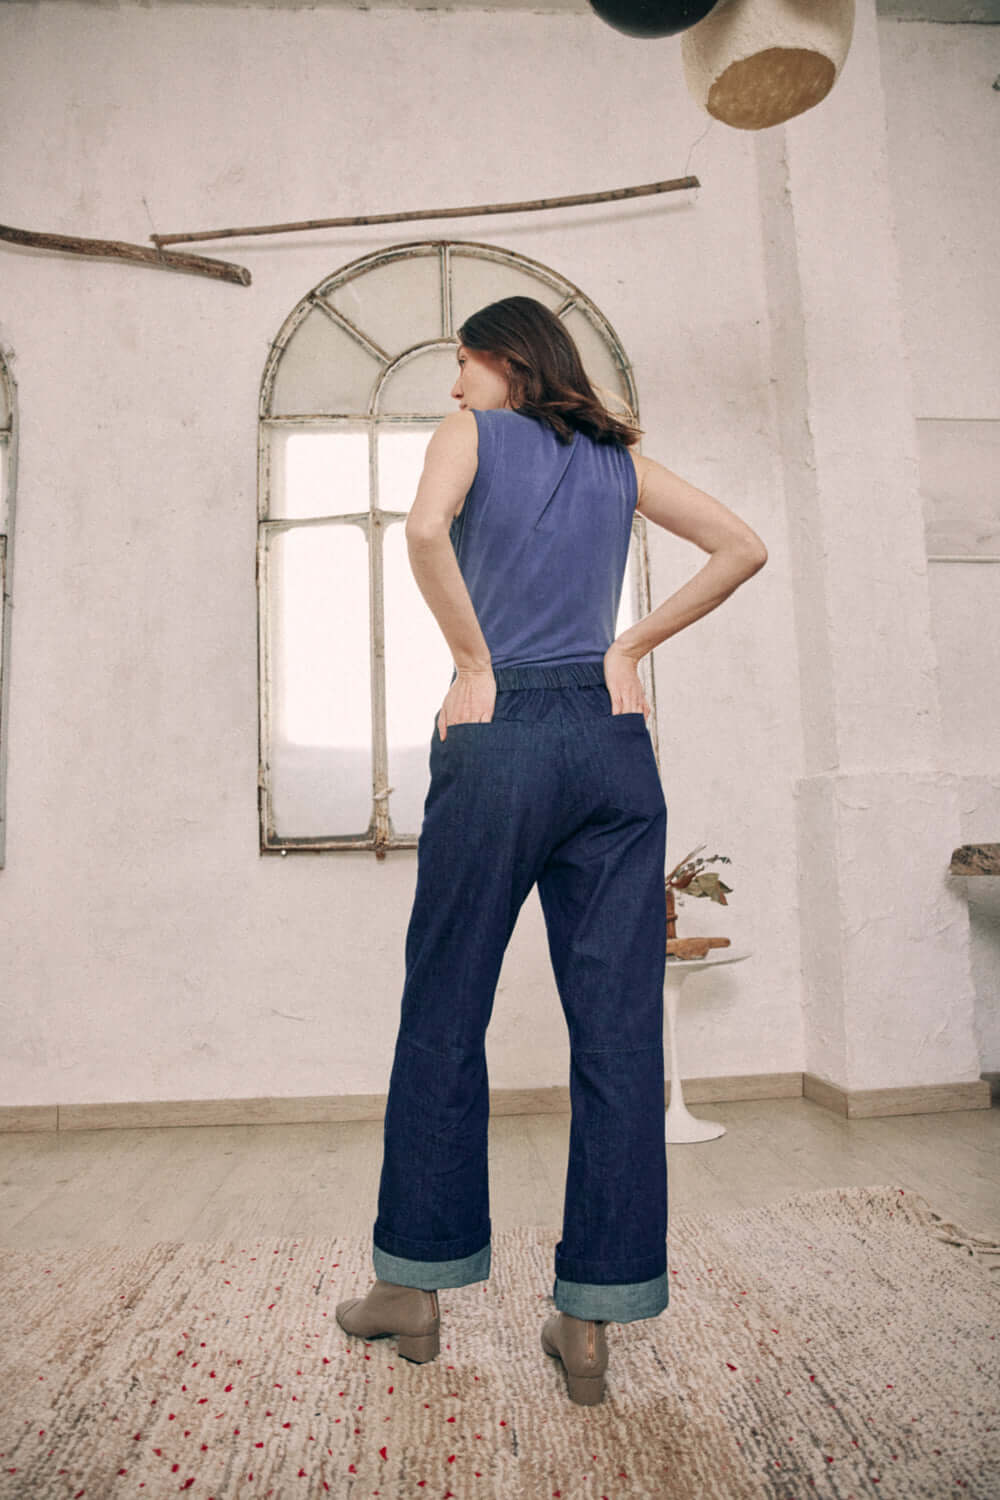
[
  {"x": 8, "y": 462},
  {"x": 352, "y": 664}
]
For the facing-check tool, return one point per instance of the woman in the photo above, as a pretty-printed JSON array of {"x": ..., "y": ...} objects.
[{"x": 542, "y": 770}]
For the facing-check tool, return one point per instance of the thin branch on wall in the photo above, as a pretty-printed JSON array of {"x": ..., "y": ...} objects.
[
  {"x": 613, "y": 195},
  {"x": 167, "y": 260},
  {"x": 221, "y": 270}
]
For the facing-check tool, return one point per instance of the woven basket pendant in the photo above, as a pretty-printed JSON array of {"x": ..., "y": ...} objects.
[{"x": 756, "y": 63}]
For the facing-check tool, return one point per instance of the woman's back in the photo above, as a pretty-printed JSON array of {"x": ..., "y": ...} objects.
[{"x": 542, "y": 540}]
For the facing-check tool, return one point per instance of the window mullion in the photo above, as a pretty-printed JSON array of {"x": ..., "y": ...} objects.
[
  {"x": 8, "y": 465},
  {"x": 447, "y": 317},
  {"x": 381, "y": 826},
  {"x": 300, "y": 523},
  {"x": 264, "y": 659}
]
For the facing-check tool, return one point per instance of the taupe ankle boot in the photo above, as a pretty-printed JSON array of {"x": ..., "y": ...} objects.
[
  {"x": 583, "y": 1349},
  {"x": 405, "y": 1311}
]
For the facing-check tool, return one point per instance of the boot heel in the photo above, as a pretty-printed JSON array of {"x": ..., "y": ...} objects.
[
  {"x": 585, "y": 1390},
  {"x": 420, "y": 1348}
]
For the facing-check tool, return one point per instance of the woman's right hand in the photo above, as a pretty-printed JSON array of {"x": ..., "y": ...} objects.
[
  {"x": 469, "y": 700},
  {"x": 621, "y": 677}
]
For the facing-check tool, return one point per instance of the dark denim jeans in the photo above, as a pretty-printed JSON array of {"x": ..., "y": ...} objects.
[{"x": 555, "y": 789}]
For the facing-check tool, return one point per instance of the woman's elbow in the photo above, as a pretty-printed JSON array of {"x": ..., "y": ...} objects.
[
  {"x": 423, "y": 531},
  {"x": 753, "y": 554}
]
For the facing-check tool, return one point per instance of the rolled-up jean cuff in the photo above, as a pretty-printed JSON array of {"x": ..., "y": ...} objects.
[
  {"x": 624, "y": 1303},
  {"x": 431, "y": 1275}
]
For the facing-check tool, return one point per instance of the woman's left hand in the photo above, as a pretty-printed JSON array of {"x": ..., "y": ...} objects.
[
  {"x": 621, "y": 677},
  {"x": 470, "y": 699}
]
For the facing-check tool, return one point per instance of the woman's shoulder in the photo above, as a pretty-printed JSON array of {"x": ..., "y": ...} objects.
[
  {"x": 505, "y": 426},
  {"x": 512, "y": 418}
]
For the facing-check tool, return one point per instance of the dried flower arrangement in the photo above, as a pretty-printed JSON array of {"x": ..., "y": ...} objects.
[{"x": 691, "y": 878}]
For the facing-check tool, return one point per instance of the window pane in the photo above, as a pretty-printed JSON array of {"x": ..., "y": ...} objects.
[
  {"x": 400, "y": 462},
  {"x": 595, "y": 353},
  {"x": 475, "y": 283},
  {"x": 420, "y": 386},
  {"x": 321, "y": 774},
  {"x": 396, "y": 305},
  {"x": 323, "y": 370},
  {"x": 626, "y": 608},
  {"x": 418, "y": 669},
  {"x": 318, "y": 472},
  {"x": 3, "y": 619}
]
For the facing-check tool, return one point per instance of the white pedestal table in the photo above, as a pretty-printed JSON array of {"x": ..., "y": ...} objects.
[{"x": 681, "y": 1125}]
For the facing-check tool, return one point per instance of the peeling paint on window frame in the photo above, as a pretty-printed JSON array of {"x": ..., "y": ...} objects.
[
  {"x": 380, "y": 835},
  {"x": 8, "y": 458}
]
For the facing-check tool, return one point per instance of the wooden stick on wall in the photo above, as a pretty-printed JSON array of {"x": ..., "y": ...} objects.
[
  {"x": 168, "y": 260},
  {"x": 221, "y": 270},
  {"x": 612, "y": 195}
]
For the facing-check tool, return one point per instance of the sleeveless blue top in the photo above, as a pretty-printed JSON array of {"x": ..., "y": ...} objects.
[{"x": 542, "y": 540}]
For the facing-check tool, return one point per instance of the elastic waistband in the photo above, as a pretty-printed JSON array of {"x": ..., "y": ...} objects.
[{"x": 553, "y": 675}]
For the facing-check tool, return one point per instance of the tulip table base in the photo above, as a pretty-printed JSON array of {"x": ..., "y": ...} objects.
[{"x": 682, "y": 1126}]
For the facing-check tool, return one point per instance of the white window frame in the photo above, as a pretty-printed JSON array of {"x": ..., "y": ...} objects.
[
  {"x": 380, "y": 835},
  {"x": 8, "y": 459}
]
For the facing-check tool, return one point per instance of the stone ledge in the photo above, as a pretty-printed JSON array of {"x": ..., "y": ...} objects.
[{"x": 975, "y": 859}]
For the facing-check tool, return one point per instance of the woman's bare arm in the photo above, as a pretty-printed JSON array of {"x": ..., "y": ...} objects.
[
  {"x": 449, "y": 468},
  {"x": 736, "y": 553}
]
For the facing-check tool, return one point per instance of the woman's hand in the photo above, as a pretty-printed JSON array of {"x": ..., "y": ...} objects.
[
  {"x": 621, "y": 677},
  {"x": 470, "y": 699}
]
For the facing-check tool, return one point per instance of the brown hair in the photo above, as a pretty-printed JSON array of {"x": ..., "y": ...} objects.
[{"x": 547, "y": 378}]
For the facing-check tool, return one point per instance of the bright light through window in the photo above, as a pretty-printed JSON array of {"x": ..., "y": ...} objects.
[
  {"x": 320, "y": 653},
  {"x": 626, "y": 606},
  {"x": 400, "y": 461},
  {"x": 320, "y": 473}
]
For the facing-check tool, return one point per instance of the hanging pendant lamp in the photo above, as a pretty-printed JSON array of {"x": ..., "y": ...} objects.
[
  {"x": 756, "y": 63},
  {"x": 651, "y": 17}
]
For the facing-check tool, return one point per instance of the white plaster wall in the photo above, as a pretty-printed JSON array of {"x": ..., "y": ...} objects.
[
  {"x": 148, "y": 951},
  {"x": 887, "y": 988},
  {"x": 941, "y": 113}
]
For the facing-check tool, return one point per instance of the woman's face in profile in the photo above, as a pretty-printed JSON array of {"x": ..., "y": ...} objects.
[{"x": 482, "y": 383}]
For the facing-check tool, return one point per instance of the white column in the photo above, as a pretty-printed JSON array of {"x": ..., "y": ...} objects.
[{"x": 888, "y": 995}]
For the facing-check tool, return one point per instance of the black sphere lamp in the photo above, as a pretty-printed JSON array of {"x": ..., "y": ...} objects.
[{"x": 652, "y": 17}]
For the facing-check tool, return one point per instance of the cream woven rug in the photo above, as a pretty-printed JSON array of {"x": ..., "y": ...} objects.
[{"x": 839, "y": 1344}]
